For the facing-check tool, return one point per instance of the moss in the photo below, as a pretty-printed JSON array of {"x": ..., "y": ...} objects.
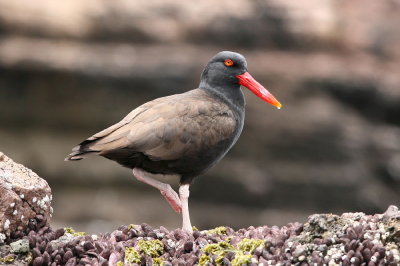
[
  {"x": 204, "y": 260},
  {"x": 131, "y": 256},
  {"x": 249, "y": 245},
  {"x": 153, "y": 248},
  {"x": 220, "y": 230},
  {"x": 71, "y": 231},
  {"x": 241, "y": 259},
  {"x": 158, "y": 262}
]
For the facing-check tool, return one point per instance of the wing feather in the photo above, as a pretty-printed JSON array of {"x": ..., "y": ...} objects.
[{"x": 167, "y": 128}]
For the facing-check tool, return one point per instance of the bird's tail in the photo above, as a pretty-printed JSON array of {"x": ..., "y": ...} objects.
[{"x": 81, "y": 151}]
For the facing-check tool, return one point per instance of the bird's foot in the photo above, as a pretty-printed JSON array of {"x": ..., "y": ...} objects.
[
  {"x": 172, "y": 198},
  {"x": 188, "y": 229},
  {"x": 166, "y": 190}
]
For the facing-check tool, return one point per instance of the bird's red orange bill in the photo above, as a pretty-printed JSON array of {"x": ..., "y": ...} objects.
[{"x": 249, "y": 82}]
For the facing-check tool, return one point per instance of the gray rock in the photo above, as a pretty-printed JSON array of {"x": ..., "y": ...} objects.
[
  {"x": 392, "y": 213},
  {"x": 55, "y": 244},
  {"x": 20, "y": 246}
]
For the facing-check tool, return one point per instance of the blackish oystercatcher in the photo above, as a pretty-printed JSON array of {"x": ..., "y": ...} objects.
[{"x": 182, "y": 134}]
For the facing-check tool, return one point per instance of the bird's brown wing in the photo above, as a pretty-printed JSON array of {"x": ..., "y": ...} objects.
[
  {"x": 181, "y": 128},
  {"x": 168, "y": 128}
]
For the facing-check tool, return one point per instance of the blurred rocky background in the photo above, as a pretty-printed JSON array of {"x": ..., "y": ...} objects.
[{"x": 71, "y": 68}]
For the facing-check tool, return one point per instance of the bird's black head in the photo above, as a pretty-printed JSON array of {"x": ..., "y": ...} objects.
[
  {"x": 226, "y": 71},
  {"x": 222, "y": 69}
]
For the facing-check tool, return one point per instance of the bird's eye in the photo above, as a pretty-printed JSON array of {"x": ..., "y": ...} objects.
[{"x": 228, "y": 62}]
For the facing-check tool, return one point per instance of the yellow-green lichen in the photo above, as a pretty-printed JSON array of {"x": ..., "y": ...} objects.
[
  {"x": 243, "y": 251},
  {"x": 249, "y": 245},
  {"x": 7, "y": 259},
  {"x": 219, "y": 260},
  {"x": 204, "y": 260},
  {"x": 218, "y": 248},
  {"x": 131, "y": 256},
  {"x": 120, "y": 263},
  {"x": 29, "y": 257},
  {"x": 131, "y": 226},
  {"x": 220, "y": 230},
  {"x": 241, "y": 259},
  {"x": 153, "y": 248},
  {"x": 158, "y": 262},
  {"x": 194, "y": 228},
  {"x": 71, "y": 231}
]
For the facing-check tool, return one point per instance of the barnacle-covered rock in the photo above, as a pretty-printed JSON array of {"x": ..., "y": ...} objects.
[
  {"x": 23, "y": 196},
  {"x": 325, "y": 239},
  {"x": 352, "y": 238}
]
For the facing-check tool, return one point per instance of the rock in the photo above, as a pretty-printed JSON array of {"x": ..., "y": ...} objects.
[
  {"x": 23, "y": 196},
  {"x": 66, "y": 238},
  {"x": 392, "y": 213},
  {"x": 20, "y": 246}
]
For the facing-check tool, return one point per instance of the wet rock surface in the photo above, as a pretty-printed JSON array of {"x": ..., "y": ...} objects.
[
  {"x": 326, "y": 239},
  {"x": 23, "y": 196}
]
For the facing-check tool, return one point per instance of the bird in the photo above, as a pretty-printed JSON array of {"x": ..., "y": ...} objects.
[{"x": 182, "y": 134}]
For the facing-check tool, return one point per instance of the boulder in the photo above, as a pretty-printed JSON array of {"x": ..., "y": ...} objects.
[{"x": 23, "y": 196}]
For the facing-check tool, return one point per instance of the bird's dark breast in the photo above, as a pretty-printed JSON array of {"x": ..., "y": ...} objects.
[{"x": 188, "y": 166}]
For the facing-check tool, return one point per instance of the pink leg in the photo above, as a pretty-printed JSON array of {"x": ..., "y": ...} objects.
[
  {"x": 184, "y": 195},
  {"x": 166, "y": 190}
]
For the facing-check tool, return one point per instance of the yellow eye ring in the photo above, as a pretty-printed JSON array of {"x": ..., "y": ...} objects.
[{"x": 228, "y": 62}]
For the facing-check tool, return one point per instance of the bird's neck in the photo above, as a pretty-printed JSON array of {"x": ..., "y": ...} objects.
[{"x": 231, "y": 95}]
